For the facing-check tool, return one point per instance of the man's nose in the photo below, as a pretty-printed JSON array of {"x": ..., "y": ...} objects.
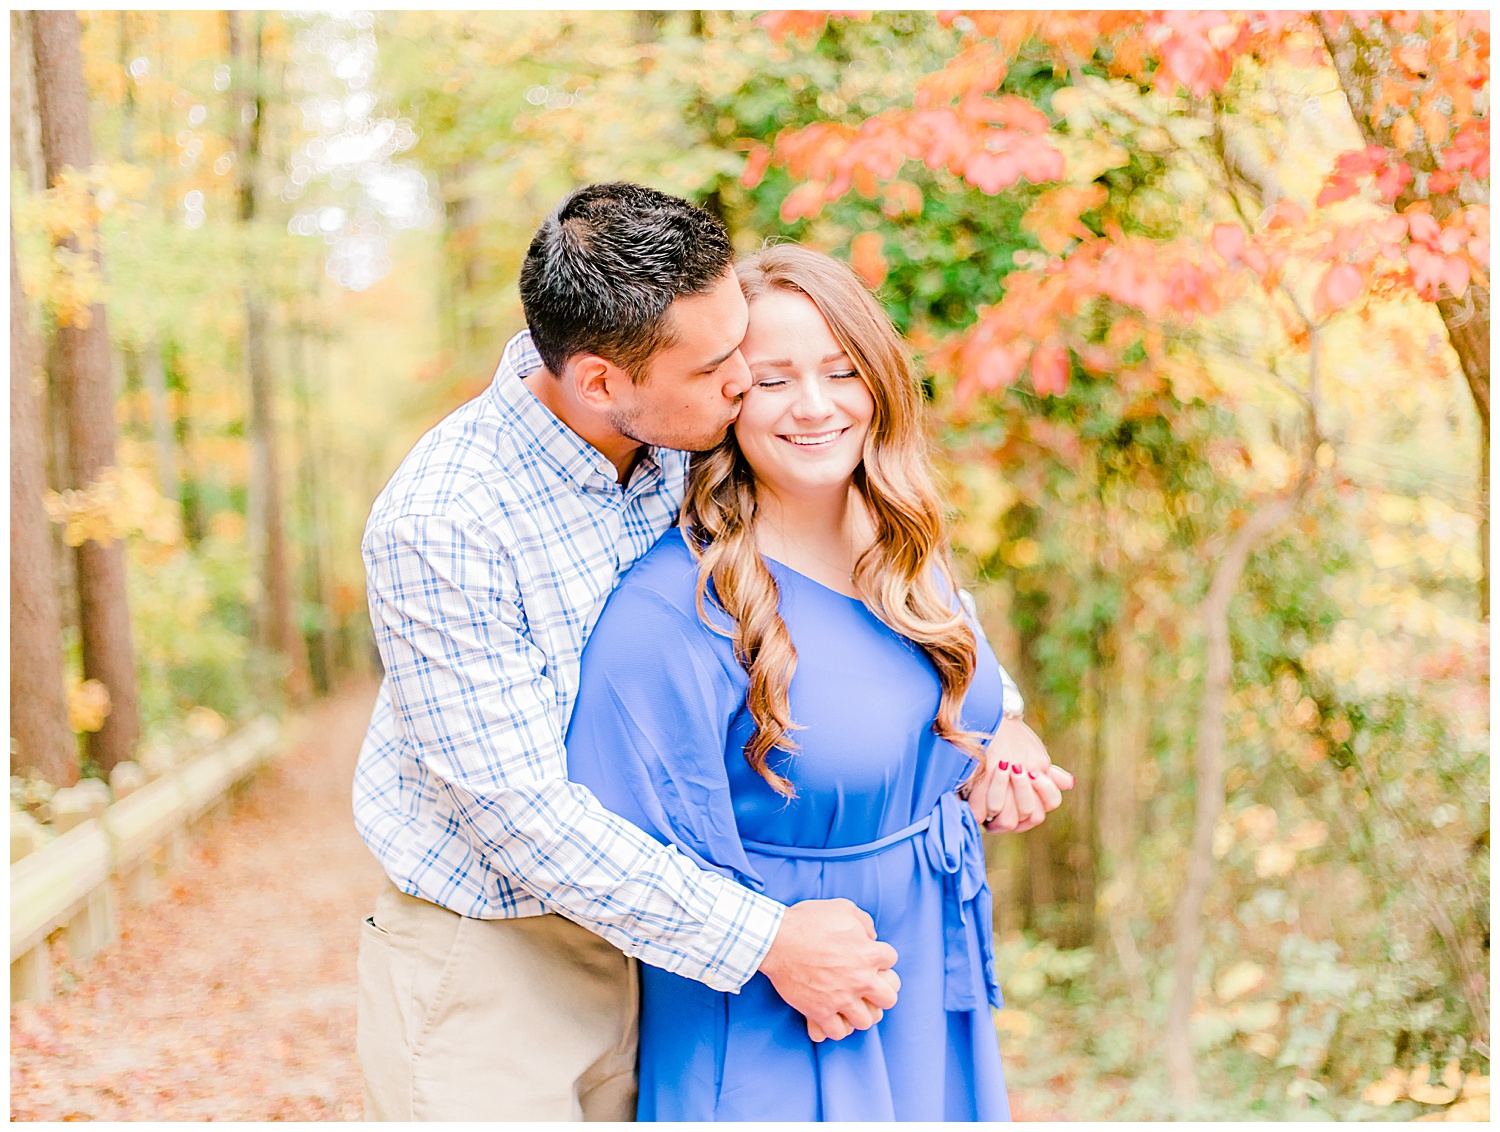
[{"x": 737, "y": 381}]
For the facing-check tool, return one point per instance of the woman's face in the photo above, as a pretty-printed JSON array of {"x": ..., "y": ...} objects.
[{"x": 803, "y": 422}]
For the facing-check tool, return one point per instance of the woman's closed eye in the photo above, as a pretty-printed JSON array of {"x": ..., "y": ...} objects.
[{"x": 777, "y": 382}]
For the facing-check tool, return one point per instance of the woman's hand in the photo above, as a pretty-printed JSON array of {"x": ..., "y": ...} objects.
[{"x": 1020, "y": 786}]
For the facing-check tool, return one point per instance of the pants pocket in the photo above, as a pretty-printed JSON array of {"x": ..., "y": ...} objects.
[{"x": 445, "y": 992}]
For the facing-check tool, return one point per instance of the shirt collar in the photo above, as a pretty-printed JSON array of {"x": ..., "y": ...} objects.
[{"x": 572, "y": 455}]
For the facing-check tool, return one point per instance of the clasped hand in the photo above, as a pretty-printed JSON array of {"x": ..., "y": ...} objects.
[{"x": 1019, "y": 786}]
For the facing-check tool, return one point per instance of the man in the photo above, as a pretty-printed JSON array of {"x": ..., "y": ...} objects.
[{"x": 489, "y": 988}]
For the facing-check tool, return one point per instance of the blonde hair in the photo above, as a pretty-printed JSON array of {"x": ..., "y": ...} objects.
[{"x": 894, "y": 577}]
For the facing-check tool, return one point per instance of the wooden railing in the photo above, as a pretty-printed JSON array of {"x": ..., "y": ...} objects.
[{"x": 69, "y": 882}]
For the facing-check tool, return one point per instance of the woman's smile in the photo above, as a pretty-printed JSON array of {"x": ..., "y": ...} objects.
[{"x": 814, "y": 439}]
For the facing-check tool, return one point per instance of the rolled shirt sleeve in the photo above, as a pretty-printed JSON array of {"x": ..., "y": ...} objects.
[{"x": 1015, "y": 706}]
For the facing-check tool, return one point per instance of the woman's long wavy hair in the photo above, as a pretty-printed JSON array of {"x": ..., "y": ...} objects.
[{"x": 901, "y": 577}]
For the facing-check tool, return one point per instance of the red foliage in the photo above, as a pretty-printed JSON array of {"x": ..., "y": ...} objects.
[{"x": 1438, "y": 63}]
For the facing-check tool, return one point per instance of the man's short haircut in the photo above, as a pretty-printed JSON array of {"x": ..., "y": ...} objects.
[{"x": 605, "y": 266}]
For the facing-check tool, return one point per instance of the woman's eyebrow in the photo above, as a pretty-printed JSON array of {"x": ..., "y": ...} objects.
[{"x": 787, "y": 363}]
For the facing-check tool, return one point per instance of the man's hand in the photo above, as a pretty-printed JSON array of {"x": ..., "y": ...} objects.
[
  {"x": 1020, "y": 785},
  {"x": 827, "y": 964}
]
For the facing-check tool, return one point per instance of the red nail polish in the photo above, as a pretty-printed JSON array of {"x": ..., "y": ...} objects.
[
  {"x": 1030, "y": 775},
  {"x": 1005, "y": 766},
  {"x": 1017, "y": 769}
]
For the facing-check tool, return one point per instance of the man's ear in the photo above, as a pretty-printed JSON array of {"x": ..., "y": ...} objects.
[{"x": 596, "y": 381}]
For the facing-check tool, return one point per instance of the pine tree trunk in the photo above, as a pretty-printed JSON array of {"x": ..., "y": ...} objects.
[
  {"x": 38, "y": 702},
  {"x": 86, "y": 381},
  {"x": 276, "y": 625}
]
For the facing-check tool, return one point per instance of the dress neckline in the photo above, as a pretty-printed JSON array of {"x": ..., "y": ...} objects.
[{"x": 812, "y": 581}]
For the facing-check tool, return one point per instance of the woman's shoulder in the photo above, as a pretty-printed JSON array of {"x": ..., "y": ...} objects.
[
  {"x": 663, "y": 583},
  {"x": 668, "y": 571}
]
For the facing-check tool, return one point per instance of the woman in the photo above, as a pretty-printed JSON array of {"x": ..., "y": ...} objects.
[{"x": 787, "y": 689}]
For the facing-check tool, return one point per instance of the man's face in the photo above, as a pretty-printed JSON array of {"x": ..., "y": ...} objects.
[{"x": 691, "y": 393}]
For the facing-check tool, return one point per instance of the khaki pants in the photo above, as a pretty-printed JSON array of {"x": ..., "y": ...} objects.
[{"x": 464, "y": 1019}]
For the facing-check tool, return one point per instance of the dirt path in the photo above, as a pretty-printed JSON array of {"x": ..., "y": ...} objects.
[{"x": 232, "y": 996}]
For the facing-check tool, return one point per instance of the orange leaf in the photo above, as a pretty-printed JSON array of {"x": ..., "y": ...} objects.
[
  {"x": 1404, "y": 131},
  {"x": 1053, "y": 219},
  {"x": 1433, "y": 124},
  {"x": 867, "y": 256}
]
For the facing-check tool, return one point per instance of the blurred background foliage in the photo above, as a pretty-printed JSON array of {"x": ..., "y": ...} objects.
[{"x": 405, "y": 160}]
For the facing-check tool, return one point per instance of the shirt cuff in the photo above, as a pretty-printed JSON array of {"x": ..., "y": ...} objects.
[
  {"x": 1014, "y": 705},
  {"x": 733, "y": 943}
]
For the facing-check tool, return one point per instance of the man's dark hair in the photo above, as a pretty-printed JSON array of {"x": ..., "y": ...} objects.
[{"x": 605, "y": 266}]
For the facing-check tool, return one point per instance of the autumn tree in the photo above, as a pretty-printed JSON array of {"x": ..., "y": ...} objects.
[
  {"x": 83, "y": 374},
  {"x": 1411, "y": 82},
  {"x": 1175, "y": 74}
]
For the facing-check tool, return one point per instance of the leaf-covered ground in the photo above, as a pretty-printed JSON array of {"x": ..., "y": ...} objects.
[{"x": 232, "y": 995}]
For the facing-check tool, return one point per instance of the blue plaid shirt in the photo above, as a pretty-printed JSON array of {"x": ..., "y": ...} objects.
[{"x": 489, "y": 557}]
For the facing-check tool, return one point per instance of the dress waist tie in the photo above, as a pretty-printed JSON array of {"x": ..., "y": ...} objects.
[{"x": 955, "y": 850}]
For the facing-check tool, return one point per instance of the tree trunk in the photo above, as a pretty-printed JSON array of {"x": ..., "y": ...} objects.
[
  {"x": 276, "y": 627},
  {"x": 1209, "y": 800},
  {"x": 38, "y": 703},
  {"x": 87, "y": 383},
  {"x": 25, "y": 125},
  {"x": 1125, "y": 734},
  {"x": 315, "y": 587},
  {"x": 164, "y": 441}
]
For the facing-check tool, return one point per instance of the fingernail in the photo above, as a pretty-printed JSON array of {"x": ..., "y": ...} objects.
[
  {"x": 1005, "y": 766},
  {"x": 1017, "y": 769},
  {"x": 1030, "y": 775}
]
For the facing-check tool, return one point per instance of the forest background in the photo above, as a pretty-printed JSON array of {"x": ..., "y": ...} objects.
[{"x": 1202, "y": 301}]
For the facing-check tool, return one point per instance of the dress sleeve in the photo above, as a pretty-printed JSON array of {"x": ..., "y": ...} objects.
[{"x": 650, "y": 726}]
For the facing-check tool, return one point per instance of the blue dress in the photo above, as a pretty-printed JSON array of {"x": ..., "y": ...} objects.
[{"x": 658, "y": 733}]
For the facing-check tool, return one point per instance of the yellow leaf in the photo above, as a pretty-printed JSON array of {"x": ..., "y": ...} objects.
[
  {"x": 1022, "y": 553},
  {"x": 1274, "y": 861},
  {"x": 1308, "y": 835},
  {"x": 88, "y": 705},
  {"x": 1015, "y": 1022},
  {"x": 1258, "y": 822},
  {"x": 1239, "y": 979},
  {"x": 1470, "y": 1108},
  {"x": 1476, "y": 1085},
  {"x": 1263, "y": 1044},
  {"x": 1388, "y": 1090},
  {"x": 1419, "y": 1087}
]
